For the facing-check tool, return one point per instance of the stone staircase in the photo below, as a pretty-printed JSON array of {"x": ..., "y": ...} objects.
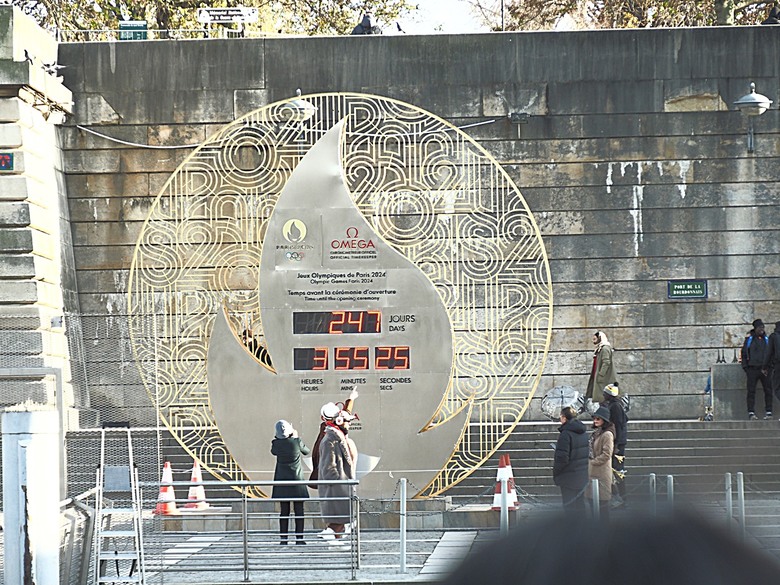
[{"x": 697, "y": 454}]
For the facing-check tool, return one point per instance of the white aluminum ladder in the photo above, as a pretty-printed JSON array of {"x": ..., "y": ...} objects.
[{"x": 117, "y": 541}]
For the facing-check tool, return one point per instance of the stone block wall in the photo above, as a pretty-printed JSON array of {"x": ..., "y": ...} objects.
[
  {"x": 633, "y": 161},
  {"x": 37, "y": 273}
]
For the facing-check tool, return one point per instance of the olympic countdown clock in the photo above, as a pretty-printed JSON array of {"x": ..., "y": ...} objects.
[{"x": 369, "y": 246}]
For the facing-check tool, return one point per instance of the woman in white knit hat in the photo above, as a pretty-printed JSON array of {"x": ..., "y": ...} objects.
[{"x": 337, "y": 461}]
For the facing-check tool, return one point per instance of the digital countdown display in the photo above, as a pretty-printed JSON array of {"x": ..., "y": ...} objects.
[{"x": 351, "y": 358}]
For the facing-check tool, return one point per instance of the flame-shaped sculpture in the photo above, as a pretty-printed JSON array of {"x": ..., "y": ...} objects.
[{"x": 341, "y": 309}]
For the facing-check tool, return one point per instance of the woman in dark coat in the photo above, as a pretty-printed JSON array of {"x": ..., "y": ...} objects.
[
  {"x": 288, "y": 449},
  {"x": 570, "y": 467}
]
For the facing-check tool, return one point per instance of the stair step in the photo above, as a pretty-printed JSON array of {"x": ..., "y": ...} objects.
[
  {"x": 697, "y": 454},
  {"x": 118, "y": 555},
  {"x": 116, "y": 511},
  {"x": 116, "y": 533}
]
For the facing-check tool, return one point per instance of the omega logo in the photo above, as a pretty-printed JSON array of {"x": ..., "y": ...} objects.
[{"x": 352, "y": 241}]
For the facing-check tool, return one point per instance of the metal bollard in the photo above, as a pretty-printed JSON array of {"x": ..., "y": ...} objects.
[
  {"x": 729, "y": 502},
  {"x": 741, "y": 503},
  {"x": 652, "y": 494},
  {"x": 504, "y": 518},
  {"x": 402, "y": 523},
  {"x": 670, "y": 490},
  {"x": 245, "y": 532},
  {"x": 594, "y": 488}
]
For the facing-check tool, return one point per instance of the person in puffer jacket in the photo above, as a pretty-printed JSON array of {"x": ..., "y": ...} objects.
[{"x": 570, "y": 467}]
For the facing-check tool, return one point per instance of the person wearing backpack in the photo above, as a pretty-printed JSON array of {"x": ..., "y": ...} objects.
[
  {"x": 755, "y": 351},
  {"x": 772, "y": 361},
  {"x": 619, "y": 418}
]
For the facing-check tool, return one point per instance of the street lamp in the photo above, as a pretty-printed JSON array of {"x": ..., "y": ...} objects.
[{"x": 752, "y": 105}]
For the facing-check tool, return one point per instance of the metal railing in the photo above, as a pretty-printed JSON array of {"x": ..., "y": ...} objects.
[
  {"x": 77, "y": 516},
  {"x": 153, "y": 34},
  {"x": 239, "y": 536}
]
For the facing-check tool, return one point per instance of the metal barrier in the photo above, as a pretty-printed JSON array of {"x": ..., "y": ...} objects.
[
  {"x": 241, "y": 534},
  {"x": 77, "y": 517}
]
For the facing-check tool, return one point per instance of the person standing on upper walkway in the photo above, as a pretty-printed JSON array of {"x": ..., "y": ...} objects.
[
  {"x": 754, "y": 354},
  {"x": 603, "y": 369}
]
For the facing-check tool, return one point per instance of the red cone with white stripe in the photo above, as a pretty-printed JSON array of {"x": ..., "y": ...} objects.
[
  {"x": 166, "y": 501},
  {"x": 196, "y": 498},
  {"x": 505, "y": 471}
]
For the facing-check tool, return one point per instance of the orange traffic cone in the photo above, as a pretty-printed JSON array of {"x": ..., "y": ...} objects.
[
  {"x": 196, "y": 498},
  {"x": 166, "y": 501},
  {"x": 505, "y": 471}
]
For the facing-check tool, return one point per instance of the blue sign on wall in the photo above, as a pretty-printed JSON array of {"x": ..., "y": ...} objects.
[{"x": 6, "y": 161}]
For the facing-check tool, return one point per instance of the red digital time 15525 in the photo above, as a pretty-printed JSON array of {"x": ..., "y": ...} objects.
[{"x": 351, "y": 358}]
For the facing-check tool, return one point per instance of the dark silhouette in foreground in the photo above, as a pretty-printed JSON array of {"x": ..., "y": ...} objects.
[{"x": 683, "y": 549}]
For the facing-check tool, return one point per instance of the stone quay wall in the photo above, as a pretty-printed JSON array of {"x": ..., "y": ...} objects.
[{"x": 633, "y": 160}]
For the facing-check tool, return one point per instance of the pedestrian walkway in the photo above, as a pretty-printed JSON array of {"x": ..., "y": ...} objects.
[{"x": 452, "y": 548}]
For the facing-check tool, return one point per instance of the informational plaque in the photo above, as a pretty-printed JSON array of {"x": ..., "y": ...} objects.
[
  {"x": 686, "y": 289},
  {"x": 132, "y": 30}
]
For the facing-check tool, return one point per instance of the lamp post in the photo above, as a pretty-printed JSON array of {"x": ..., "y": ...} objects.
[{"x": 752, "y": 105}]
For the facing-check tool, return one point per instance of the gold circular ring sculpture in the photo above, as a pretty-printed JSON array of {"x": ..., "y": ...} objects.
[{"x": 421, "y": 188}]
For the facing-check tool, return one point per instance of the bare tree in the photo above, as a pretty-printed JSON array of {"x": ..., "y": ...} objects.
[{"x": 547, "y": 14}]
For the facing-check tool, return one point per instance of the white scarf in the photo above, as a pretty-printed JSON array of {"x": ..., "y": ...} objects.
[{"x": 602, "y": 341}]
